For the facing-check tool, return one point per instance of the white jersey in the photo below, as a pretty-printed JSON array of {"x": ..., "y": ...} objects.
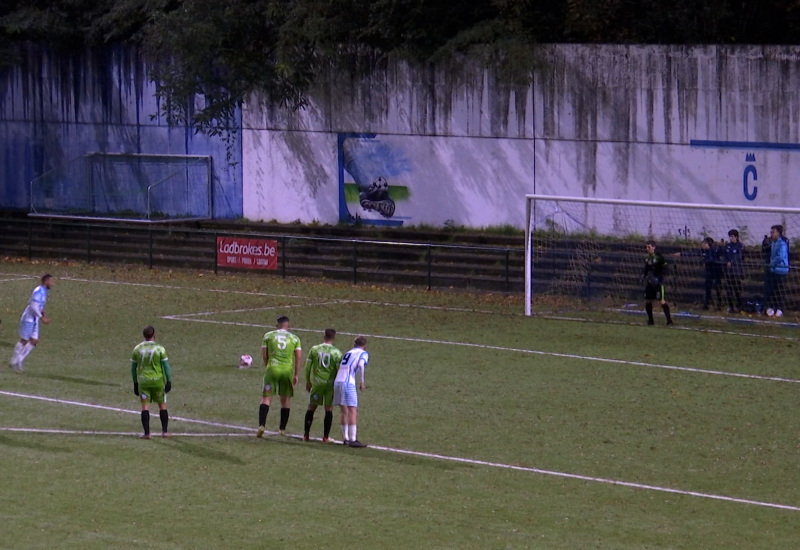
[
  {"x": 35, "y": 307},
  {"x": 353, "y": 361}
]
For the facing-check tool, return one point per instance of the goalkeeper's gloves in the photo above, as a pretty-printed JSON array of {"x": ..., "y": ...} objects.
[
  {"x": 136, "y": 388},
  {"x": 167, "y": 387}
]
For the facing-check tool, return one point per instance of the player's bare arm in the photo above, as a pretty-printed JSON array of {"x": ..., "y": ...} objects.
[
  {"x": 265, "y": 354},
  {"x": 298, "y": 355}
]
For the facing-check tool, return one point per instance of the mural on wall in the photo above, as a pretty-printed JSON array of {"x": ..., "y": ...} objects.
[
  {"x": 440, "y": 181},
  {"x": 367, "y": 165}
]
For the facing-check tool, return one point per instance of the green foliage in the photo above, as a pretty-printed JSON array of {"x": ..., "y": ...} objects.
[{"x": 210, "y": 56}]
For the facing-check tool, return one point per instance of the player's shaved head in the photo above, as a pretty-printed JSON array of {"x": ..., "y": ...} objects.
[
  {"x": 283, "y": 321},
  {"x": 330, "y": 334},
  {"x": 360, "y": 341},
  {"x": 47, "y": 280},
  {"x": 148, "y": 332}
]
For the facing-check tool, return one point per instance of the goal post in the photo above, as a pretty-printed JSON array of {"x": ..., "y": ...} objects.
[{"x": 592, "y": 250}]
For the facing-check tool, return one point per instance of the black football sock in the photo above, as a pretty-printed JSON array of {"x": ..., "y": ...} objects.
[
  {"x": 327, "y": 423},
  {"x": 307, "y": 423},
  {"x": 262, "y": 414},
  {"x": 164, "y": 416},
  {"x": 665, "y": 307},
  {"x": 284, "y": 417},
  {"x": 649, "y": 309},
  {"x": 146, "y": 422}
]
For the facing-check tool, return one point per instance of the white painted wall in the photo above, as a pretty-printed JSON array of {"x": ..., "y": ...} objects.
[{"x": 597, "y": 121}]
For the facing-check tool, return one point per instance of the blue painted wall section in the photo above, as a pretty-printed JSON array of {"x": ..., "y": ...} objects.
[{"x": 55, "y": 109}]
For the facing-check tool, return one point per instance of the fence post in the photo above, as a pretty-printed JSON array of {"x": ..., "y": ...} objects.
[
  {"x": 283, "y": 256},
  {"x": 30, "y": 239},
  {"x": 355, "y": 262},
  {"x": 216, "y": 251},
  {"x": 430, "y": 261},
  {"x": 150, "y": 247},
  {"x": 88, "y": 243},
  {"x": 508, "y": 252}
]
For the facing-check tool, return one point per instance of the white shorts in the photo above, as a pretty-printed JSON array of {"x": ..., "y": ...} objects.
[
  {"x": 28, "y": 329},
  {"x": 345, "y": 394}
]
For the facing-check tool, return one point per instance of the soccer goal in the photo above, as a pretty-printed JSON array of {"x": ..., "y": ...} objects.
[
  {"x": 593, "y": 250},
  {"x": 133, "y": 187}
]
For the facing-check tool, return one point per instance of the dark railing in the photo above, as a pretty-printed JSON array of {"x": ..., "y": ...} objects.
[{"x": 356, "y": 260}]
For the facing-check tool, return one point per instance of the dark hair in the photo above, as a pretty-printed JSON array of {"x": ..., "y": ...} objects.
[
  {"x": 45, "y": 277},
  {"x": 148, "y": 332},
  {"x": 651, "y": 242},
  {"x": 733, "y": 233},
  {"x": 283, "y": 319},
  {"x": 360, "y": 341},
  {"x": 778, "y": 228},
  {"x": 330, "y": 333},
  {"x": 709, "y": 241}
]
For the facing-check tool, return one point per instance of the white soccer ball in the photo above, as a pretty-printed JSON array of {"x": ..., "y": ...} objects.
[
  {"x": 380, "y": 184},
  {"x": 779, "y": 313},
  {"x": 245, "y": 361},
  {"x": 770, "y": 312}
]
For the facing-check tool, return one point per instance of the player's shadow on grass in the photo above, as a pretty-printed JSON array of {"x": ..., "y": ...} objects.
[
  {"x": 74, "y": 379},
  {"x": 12, "y": 442},
  {"x": 6, "y": 345},
  {"x": 203, "y": 452}
]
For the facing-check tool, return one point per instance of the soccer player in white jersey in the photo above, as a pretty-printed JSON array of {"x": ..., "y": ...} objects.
[
  {"x": 344, "y": 388},
  {"x": 29, "y": 323}
]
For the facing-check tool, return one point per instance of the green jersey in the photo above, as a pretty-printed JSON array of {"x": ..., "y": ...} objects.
[
  {"x": 281, "y": 345},
  {"x": 149, "y": 364},
  {"x": 322, "y": 364}
]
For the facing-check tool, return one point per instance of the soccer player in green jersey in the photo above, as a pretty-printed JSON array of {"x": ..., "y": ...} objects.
[
  {"x": 322, "y": 364},
  {"x": 281, "y": 352},
  {"x": 152, "y": 379}
]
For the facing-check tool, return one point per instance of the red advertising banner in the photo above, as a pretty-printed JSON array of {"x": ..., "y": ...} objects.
[{"x": 247, "y": 253}]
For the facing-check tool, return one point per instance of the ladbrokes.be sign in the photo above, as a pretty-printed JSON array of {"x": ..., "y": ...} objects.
[{"x": 247, "y": 253}]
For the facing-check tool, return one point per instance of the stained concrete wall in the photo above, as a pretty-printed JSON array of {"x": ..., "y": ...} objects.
[
  {"x": 55, "y": 109},
  {"x": 706, "y": 124}
]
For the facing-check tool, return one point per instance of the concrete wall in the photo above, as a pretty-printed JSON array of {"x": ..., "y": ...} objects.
[
  {"x": 704, "y": 124},
  {"x": 453, "y": 142},
  {"x": 55, "y": 109}
]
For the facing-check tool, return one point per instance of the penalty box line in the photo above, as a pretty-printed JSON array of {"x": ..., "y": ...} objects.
[
  {"x": 510, "y": 350},
  {"x": 435, "y": 456}
]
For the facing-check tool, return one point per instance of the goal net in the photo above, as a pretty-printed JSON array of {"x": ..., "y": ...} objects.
[
  {"x": 135, "y": 187},
  {"x": 592, "y": 251}
]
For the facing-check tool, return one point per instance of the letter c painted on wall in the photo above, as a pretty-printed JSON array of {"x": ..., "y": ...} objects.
[{"x": 750, "y": 169}]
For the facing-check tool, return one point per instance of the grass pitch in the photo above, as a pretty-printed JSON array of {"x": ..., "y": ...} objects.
[{"x": 487, "y": 429}]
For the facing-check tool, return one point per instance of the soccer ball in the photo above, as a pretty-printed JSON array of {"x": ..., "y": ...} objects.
[
  {"x": 379, "y": 185},
  {"x": 245, "y": 361},
  {"x": 770, "y": 312}
]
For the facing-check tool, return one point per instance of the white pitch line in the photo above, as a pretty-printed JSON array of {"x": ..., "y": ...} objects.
[
  {"x": 416, "y": 306},
  {"x": 513, "y": 350},
  {"x": 265, "y": 308},
  {"x": 101, "y": 432},
  {"x": 117, "y": 409},
  {"x": 435, "y": 456}
]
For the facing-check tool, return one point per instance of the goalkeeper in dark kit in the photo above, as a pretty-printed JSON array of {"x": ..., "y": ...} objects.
[{"x": 654, "y": 270}]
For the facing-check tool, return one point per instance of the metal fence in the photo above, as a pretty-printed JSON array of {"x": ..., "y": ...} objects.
[{"x": 356, "y": 260}]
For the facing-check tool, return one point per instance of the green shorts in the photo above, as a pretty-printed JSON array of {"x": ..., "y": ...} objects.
[
  {"x": 152, "y": 394},
  {"x": 321, "y": 395},
  {"x": 278, "y": 383}
]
